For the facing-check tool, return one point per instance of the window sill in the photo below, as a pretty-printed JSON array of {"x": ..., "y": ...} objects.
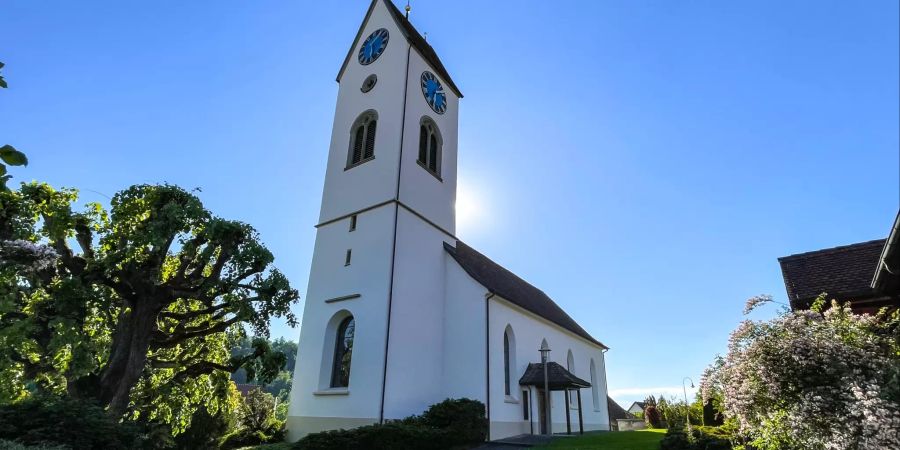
[
  {"x": 361, "y": 162},
  {"x": 434, "y": 174},
  {"x": 335, "y": 391},
  {"x": 510, "y": 399}
]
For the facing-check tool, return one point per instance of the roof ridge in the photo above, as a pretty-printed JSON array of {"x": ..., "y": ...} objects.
[
  {"x": 837, "y": 249},
  {"x": 480, "y": 271}
]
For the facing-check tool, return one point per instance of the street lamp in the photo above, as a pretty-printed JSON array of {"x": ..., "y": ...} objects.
[
  {"x": 687, "y": 415},
  {"x": 545, "y": 357}
]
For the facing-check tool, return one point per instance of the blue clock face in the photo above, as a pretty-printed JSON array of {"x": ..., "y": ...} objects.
[
  {"x": 434, "y": 92},
  {"x": 373, "y": 46}
]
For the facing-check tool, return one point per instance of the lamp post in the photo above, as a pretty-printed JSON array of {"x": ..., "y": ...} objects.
[
  {"x": 545, "y": 357},
  {"x": 687, "y": 415}
]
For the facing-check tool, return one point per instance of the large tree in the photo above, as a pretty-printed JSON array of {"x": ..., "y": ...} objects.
[{"x": 135, "y": 307}]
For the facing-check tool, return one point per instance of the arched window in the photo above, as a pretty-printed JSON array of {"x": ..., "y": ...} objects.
[
  {"x": 343, "y": 350},
  {"x": 430, "y": 143},
  {"x": 570, "y": 366},
  {"x": 595, "y": 390},
  {"x": 509, "y": 359},
  {"x": 362, "y": 139}
]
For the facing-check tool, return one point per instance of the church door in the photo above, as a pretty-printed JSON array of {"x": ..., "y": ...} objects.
[{"x": 542, "y": 411}]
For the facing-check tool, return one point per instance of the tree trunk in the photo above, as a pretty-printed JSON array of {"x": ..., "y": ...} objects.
[{"x": 128, "y": 357}]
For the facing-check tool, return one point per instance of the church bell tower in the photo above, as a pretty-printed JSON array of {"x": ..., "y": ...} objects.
[{"x": 371, "y": 334}]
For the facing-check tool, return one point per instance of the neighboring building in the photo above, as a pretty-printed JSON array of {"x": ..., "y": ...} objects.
[
  {"x": 866, "y": 274},
  {"x": 399, "y": 314},
  {"x": 621, "y": 420},
  {"x": 637, "y": 407}
]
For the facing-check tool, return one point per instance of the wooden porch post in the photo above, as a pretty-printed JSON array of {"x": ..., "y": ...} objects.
[
  {"x": 580, "y": 419},
  {"x": 568, "y": 414}
]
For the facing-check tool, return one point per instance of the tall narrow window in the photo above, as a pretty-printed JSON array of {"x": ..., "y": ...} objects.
[
  {"x": 570, "y": 366},
  {"x": 509, "y": 359},
  {"x": 430, "y": 146},
  {"x": 343, "y": 350},
  {"x": 506, "y": 363},
  {"x": 362, "y": 139}
]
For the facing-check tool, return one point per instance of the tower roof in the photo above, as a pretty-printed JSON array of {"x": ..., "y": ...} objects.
[{"x": 412, "y": 36}]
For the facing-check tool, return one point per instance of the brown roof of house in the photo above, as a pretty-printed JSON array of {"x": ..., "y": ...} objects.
[
  {"x": 616, "y": 411},
  {"x": 844, "y": 273},
  {"x": 557, "y": 377},
  {"x": 506, "y": 284}
]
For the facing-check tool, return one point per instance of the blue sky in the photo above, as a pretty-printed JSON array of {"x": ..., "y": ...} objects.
[{"x": 644, "y": 163}]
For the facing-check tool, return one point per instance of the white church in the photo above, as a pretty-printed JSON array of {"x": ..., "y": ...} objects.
[{"x": 400, "y": 314}]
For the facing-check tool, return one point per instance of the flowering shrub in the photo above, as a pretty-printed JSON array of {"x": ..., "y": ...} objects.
[{"x": 812, "y": 380}]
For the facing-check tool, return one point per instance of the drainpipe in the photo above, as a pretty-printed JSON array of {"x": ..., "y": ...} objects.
[{"x": 487, "y": 358}]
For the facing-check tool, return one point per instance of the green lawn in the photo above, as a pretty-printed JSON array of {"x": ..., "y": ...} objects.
[{"x": 615, "y": 440}]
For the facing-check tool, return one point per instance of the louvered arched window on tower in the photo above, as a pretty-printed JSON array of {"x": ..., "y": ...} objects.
[
  {"x": 362, "y": 139},
  {"x": 430, "y": 146}
]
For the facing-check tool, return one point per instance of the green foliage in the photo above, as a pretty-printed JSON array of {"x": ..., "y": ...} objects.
[
  {"x": 54, "y": 421},
  {"x": 813, "y": 379},
  {"x": 10, "y": 445},
  {"x": 142, "y": 314},
  {"x": 395, "y": 436},
  {"x": 453, "y": 423},
  {"x": 700, "y": 438},
  {"x": 673, "y": 411},
  {"x": 256, "y": 422},
  {"x": 463, "y": 418},
  {"x": 206, "y": 430}
]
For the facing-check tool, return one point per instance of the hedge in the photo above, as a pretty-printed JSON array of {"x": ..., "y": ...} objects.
[{"x": 450, "y": 424}]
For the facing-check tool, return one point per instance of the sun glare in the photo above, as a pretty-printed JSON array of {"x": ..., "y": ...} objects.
[{"x": 470, "y": 208}]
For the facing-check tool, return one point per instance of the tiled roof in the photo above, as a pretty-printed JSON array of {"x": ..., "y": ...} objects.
[
  {"x": 844, "y": 273},
  {"x": 557, "y": 377},
  {"x": 616, "y": 411},
  {"x": 514, "y": 289}
]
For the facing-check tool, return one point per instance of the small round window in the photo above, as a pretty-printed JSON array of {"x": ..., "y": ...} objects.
[{"x": 369, "y": 83}]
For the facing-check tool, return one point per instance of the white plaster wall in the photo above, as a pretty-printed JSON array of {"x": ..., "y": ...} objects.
[
  {"x": 368, "y": 276},
  {"x": 433, "y": 198},
  {"x": 529, "y": 331},
  {"x": 417, "y": 320},
  {"x": 375, "y": 181},
  {"x": 464, "y": 373}
]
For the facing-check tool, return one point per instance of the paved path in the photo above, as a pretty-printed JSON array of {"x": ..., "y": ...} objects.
[{"x": 516, "y": 442}]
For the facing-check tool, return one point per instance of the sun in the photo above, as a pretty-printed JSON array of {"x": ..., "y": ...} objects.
[{"x": 471, "y": 211}]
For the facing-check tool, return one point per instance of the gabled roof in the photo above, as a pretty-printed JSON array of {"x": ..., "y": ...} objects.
[
  {"x": 845, "y": 273},
  {"x": 557, "y": 377},
  {"x": 506, "y": 284},
  {"x": 412, "y": 36},
  {"x": 887, "y": 274},
  {"x": 641, "y": 405},
  {"x": 616, "y": 411}
]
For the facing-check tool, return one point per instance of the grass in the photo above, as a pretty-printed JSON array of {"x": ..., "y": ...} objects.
[
  {"x": 279, "y": 446},
  {"x": 616, "y": 440}
]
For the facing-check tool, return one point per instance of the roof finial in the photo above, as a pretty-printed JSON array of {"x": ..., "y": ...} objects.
[{"x": 407, "y": 9}]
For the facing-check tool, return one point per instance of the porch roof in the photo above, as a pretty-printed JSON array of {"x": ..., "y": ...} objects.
[{"x": 557, "y": 376}]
